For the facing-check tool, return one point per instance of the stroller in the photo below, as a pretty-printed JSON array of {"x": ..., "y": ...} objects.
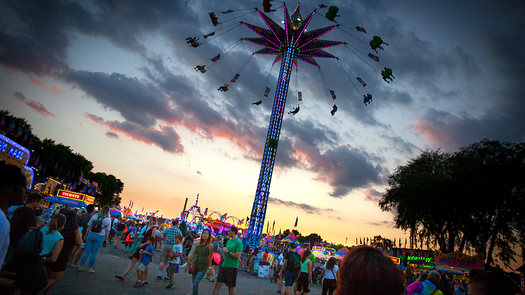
[{"x": 317, "y": 275}]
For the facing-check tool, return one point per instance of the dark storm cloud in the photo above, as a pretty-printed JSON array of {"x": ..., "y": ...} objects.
[
  {"x": 304, "y": 207},
  {"x": 136, "y": 101},
  {"x": 35, "y": 105},
  {"x": 346, "y": 169}
]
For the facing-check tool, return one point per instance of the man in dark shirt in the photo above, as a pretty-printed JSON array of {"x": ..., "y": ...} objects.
[{"x": 24, "y": 218}]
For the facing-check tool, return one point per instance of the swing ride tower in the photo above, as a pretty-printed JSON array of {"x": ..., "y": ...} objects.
[{"x": 289, "y": 44}]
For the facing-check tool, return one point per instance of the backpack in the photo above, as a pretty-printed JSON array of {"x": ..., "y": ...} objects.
[
  {"x": 294, "y": 265},
  {"x": 29, "y": 246},
  {"x": 96, "y": 225}
]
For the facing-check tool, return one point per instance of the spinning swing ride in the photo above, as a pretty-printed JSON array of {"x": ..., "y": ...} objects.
[{"x": 288, "y": 44}]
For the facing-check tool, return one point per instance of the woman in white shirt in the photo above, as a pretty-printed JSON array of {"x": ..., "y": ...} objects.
[
  {"x": 330, "y": 276},
  {"x": 98, "y": 231}
]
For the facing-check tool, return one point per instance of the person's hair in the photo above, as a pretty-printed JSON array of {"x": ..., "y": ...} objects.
[
  {"x": 207, "y": 241},
  {"x": 330, "y": 263},
  {"x": 90, "y": 208},
  {"x": 34, "y": 197},
  {"x": 306, "y": 255},
  {"x": 71, "y": 221},
  {"x": 291, "y": 246},
  {"x": 57, "y": 221},
  {"x": 366, "y": 270},
  {"x": 491, "y": 282},
  {"x": 175, "y": 222},
  {"x": 234, "y": 230},
  {"x": 11, "y": 175},
  {"x": 151, "y": 239},
  {"x": 178, "y": 237},
  {"x": 434, "y": 277},
  {"x": 105, "y": 210}
]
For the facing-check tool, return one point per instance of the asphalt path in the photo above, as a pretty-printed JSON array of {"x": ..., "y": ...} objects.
[{"x": 112, "y": 261}]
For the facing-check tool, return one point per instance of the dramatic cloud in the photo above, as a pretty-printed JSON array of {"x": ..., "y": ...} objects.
[
  {"x": 35, "y": 105},
  {"x": 164, "y": 137},
  {"x": 304, "y": 207}
]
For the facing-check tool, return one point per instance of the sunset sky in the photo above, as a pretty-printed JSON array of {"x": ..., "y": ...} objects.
[{"x": 115, "y": 81}]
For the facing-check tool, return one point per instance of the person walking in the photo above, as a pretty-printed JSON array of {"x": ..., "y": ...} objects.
[
  {"x": 168, "y": 236},
  {"x": 31, "y": 275},
  {"x": 305, "y": 276},
  {"x": 200, "y": 259},
  {"x": 330, "y": 276},
  {"x": 230, "y": 265},
  {"x": 72, "y": 237},
  {"x": 290, "y": 269},
  {"x": 148, "y": 231},
  {"x": 82, "y": 226},
  {"x": 98, "y": 231}
]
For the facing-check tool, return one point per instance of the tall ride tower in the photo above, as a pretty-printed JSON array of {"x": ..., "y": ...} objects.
[{"x": 289, "y": 45}]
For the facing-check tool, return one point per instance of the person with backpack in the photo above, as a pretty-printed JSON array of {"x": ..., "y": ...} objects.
[
  {"x": 72, "y": 237},
  {"x": 23, "y": 220},
  {"x": 290, "y": 269},
  {"x": 120, "y": 227},
  {"x": 98, "y": 229},
  {"x": 43, "y": 244},
  {"x": 83, "y": 221}
]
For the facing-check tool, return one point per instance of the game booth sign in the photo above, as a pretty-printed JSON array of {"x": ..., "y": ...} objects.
[
  {"x": 458, "y": 262},
  {"x": 70, "y": 198},
  {"x": 15, "y": 154}
]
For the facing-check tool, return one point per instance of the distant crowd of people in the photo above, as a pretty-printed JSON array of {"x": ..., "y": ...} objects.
[{"x": 37, "y": 246}]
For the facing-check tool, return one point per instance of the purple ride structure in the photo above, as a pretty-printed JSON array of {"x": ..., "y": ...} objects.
[{"x": 289, "y": 45}]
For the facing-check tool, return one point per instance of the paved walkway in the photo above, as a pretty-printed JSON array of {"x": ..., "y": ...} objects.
[{"x": 112, "y": 261}]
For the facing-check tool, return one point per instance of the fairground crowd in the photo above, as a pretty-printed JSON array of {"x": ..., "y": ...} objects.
[{"x": 37, "y": 246}]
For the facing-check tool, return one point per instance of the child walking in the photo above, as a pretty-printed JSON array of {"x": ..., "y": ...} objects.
[
  {"x": 173, "y": 266},
  {"x": 146, "y": 256}
]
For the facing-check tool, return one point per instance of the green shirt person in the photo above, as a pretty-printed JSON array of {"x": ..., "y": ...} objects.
[{"x": 228, "y": 270}]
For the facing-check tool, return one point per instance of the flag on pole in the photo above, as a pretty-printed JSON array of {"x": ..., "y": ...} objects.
[
  {"x": 333, "y": 94},
  {"x": 360, "y": 29},
  {"x": 267, "y": 227},
  {"x": 209, "y": 35},
  {"x": 360, "y": 241},
  {"x": 374, "y": 57},
  {"x": 279, "y": 234},
  {"x": 361, "y": 81},
  {"x": 216, "y": 58},
  {"x": 356, "y": 241},
  {"x": 296, "y": 220},
  {"x": 273, "y": 226},
  {"x": 235, "y": 78},
  {"x": 299, "y": 96},
  {"x": 266, "y": 91}
]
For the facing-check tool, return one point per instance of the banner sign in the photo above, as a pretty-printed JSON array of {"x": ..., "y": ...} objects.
[
  {"x": 458, "y": 259},
  {"x": 70, "y": 195},
  {"x": 89, "y": 200}
]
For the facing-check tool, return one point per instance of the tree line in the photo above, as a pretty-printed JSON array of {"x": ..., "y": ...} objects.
[
  {"x": 472, "y": 198},
  {"x": 51, "y": 159}
]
